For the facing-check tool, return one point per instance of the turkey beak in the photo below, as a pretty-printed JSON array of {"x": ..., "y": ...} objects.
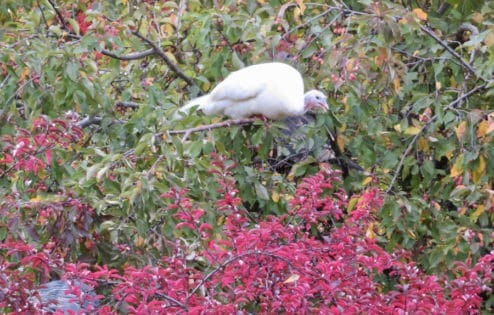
[{"x": 322, "y": 105}]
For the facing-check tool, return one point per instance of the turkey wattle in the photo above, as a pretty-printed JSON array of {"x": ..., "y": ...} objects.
[{"x": 274, "y": 90}]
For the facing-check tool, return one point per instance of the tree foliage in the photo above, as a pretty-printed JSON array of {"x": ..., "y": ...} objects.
[{"x": 96, "y": 184}]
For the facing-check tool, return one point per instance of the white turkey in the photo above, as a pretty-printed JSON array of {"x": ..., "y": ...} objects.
[{"x": 274, "y": 90}]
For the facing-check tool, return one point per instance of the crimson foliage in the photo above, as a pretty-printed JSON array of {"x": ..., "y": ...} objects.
[{"x": 321, "y": 257}]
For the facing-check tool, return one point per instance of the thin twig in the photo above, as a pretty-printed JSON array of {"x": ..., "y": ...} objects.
[
  {"x": 309, "y": 21},
  {"x": 127, "y": 104},
  {"x": 43, "y": 17},
  {"x": 226, "y": 123},
  {"x": 88, "y": 121},
  {"x": 174, "y": 301},
  {"x": 167, "y": 60},
  {"x": 132, "y": 56},
  {"x": 59, "y": 15},
  {"x": 229, "y": 261},
  {"x": 433, "y": 118},
  {"x": 322, "y": 31}
]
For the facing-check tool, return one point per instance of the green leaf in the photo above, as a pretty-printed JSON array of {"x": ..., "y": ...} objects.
[
  {"x": 72, "y": 71},
  {"x": 261, "y": 191}
]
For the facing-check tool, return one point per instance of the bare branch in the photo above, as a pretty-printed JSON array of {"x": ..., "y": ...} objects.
[
  {"x": 172, "y": 300},
  {"x": 132, "y": 56},
  {"x": 88, "y": 121},
  {"x": 59, "y": 15},
  {"x": 424, "y": 127},
  {"x": 232, "y": 259},
  {"x": 132, "y": 105},
  {"x": 463, "y": 62},
  {"x": 167, "y": 60},
  {"x": 226, "y": 123}
]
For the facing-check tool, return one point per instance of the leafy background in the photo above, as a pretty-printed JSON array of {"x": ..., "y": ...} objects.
[{"x": 89, "y": 88}]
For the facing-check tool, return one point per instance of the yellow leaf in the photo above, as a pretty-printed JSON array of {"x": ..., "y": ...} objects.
[
  {"x": 206, "y": 86},
  {"x": 301, "y": 5},
  {"x": 221, "y": 221},
  {"x": 460, "y": 130},
  {"x": 292, "y": 278},
  {"x": 482, "y": 128},
  {"x": 35, "y": 199},
  {"x": 351, "y": 204},
  {"x": 139, "y": 241},
  {"x": 275, "y": 196},
  {"x": 397, "y": 127},
  {"x": 412, "y": 131},
  {"x": 124, "y": 2},
  {"x": 288, "y": 197},
  {"x": 475, "y": 215},
  {"x": 344, "y": 100},
  {"x": 420, "y": 14},
  {"x": 168, "y": 29},
  {"x": 423, "y": 145},
  {"x": 458, "y": 167},
  {"x": 387, "y": 106},
  {"x": 462, "y": 210},
  {"x": 370, "y": 231},
  {"x": 489, "y": 39},
  {"x": 297, "y": 13},
  {"x": 478, "y": 18},
  {"x": 485, "y": 126},
  {"x": 171, "y": 57},
  {"x": 438, "y": 85},
  {"x": 411, "y": 234},
  {"x": 291, "y": 176},
  {"x": 350, "y": 64},
  {"x": 367, "y": 180},
  {"x": 24, "y": 74},
  {"x": 397, "y": 84},
  {"x": 340, "y": 140},
  {"x": 479, "y": 171}
]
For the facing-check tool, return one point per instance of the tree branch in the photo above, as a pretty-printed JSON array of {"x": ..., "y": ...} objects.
[
  {"x": 167, "y": 60},
  {"x": 133, "y": 105},
  {"x": 433, "y": 118},
  {"x": 172, "y": 300},
  {"x": 232, "y": 259},
  {"x": 59, "y": 15},
  {"x": 463, "y": 62},
  {"x": 226, "y": 123},
  {"x": 132, "y": 56},
  {"x": 88, "y": 121}
]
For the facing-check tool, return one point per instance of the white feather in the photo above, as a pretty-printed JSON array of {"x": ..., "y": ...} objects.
[{"x": 274, "y": 90}]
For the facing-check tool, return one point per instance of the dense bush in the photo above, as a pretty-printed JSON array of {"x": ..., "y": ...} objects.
[{"x": 97, "y": 187}]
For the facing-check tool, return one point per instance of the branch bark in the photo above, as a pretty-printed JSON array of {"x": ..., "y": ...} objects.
[
  {"x": 132, "y": 56},
  {"x": 463, "y": 62},
  {"x": 157, "y": 50},
  {"x": 59, "y": 15},
  {"x": 127, "y": 104},
  {"x": 424, "y": 127},
  {"x": 226, "y": 123},
  {"x": 88, "y": 121}
]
